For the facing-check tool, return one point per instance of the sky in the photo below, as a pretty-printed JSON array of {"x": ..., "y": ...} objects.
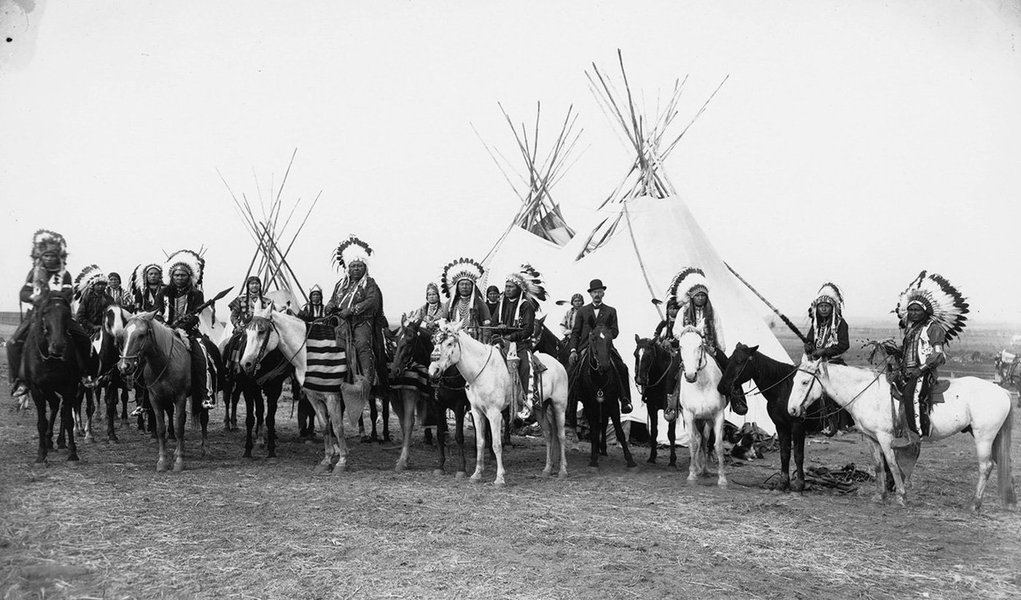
[{"x": 852, "y": 142}]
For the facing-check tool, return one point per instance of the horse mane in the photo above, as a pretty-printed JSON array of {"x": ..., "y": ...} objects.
[
  {"x": 771, "y": 369},
  {"x": 163, "y": 335}
]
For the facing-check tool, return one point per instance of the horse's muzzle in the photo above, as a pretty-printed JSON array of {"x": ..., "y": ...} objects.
[
  {"x": 126, "y": 367},
  {"x": 691, "y": 378},
  {"x": 796, "y": 411}
]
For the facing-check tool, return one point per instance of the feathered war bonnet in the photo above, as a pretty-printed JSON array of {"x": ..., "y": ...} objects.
[
  {"x": 530, "y": 282},
  {"x": 352, "y": 250},
  {"x": 90, "y": 276},
  {"x": 943, "y": 304},
  {"x": 462, "y": 268},
  {"x": 830, "y": 294},
  {"x": 686, "y": 284},
  {"x": 137, "y": 281},
  {"x": 45, "y": 241},
  {"x": 186, "y": 260}
]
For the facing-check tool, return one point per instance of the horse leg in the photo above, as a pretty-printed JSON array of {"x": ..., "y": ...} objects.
[
  {"x": 68, "y": 421},
  {"x": 496, "y": 423},
  {"x": 249, "y": 423},
  {"x": 91, "y": 401},
  {"x": 373, "y": 415},
  {"x": 228, "y": 390},
  {"x": 621, "y": 438},
  {"x": 798, "y": 435},
  {"x": 260, "y": 415},
  {"x": 171, "y": 430},
  {"x": 547, "y": 424},
  {"x": 334, "y": 405},
  {"x": 441, "y": 438},
  {"x": 653, "y": 434},
  {"x": 694, "y": 446},
  {"x": 592, "y": 416},
  {"x": 42, "y": 424},
  {"x": 721, "y": 477},
  {"x": 271, "y": 420},
  {"x": 112, "y": 393},
  {"x": 558, "y": 414},
  {"x": 161, "y": 439},
  {"x": 124, "y": 402},
  {"x": 783, "y": 435},
  {"x": 478, "y": 419},
  {"x": 385, "y": 409},
  {"x": 671, "y": 436},
  {"x": 406, "y": 415},
  {"x": 322, "y": 421},
  {"x": 984, "y": 450},
  {"x": 204, "y": 423},
  {"x": 891, "y": 460},
  {"x": 182, "y": 413},
  {"x": 460, "y": 412}
]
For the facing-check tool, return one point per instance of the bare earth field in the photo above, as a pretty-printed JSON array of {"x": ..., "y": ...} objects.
[{"x": 230, "y": 527}]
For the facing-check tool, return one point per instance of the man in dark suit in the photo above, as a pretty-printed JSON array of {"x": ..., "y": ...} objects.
[{"x": 589, "y": 317}]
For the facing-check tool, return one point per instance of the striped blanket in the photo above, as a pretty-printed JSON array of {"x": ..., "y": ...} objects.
[
  {"x": 327, "y": 363},
  {"x": 416, "y": 377}
]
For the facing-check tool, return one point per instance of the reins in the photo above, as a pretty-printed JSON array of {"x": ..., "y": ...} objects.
[{"x": 815, "y": 377}]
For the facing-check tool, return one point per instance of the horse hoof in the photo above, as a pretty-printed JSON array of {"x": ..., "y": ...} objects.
[
  {"x": 439, "y": 472},
  {"x": 652, "y": 460},
  {"x": 899, "y": 501},
  {"x": 112, "y": 439},
  {"x": 975, "y": 506},
  {"x": 247, "y": 454},
  {"x": 400, "y": 467},
  {"x": 499, "y": 483},
  {"x": 562, "y": 475},
  {"x": 723, "y": 484},
  {"x": 73, "y": 462},
  {"x": 631, "y": 464},
  {"x": 672, "y": 463},
  {"x": 322, "y": 468},
  {"x": 178, "y": 466},
  {"x": 161, "y": 467},
  {"x": 460, "y": 475},
  {"x": 339, "y": 468},
  {"x": 61, "y": 445},
  {"x": 877, "y": 498},
  {"x": 692, "y": 480},
  {"x": 475, "y": 479},
  {"x": 547, "y": 472},
  {"x": 799, "y": 486},
  {"x": 40, "y": 464}
]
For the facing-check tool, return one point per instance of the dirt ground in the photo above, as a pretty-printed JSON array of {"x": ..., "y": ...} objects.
[{"x": 230, "y": 527}]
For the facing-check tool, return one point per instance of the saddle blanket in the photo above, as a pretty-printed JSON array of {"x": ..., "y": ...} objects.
[{"x": 327, "y": 361}]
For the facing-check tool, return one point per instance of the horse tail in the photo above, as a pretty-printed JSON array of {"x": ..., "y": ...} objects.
[{"x": 1001, "y": 454}]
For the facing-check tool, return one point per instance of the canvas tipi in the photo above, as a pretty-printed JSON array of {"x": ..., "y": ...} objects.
[{"x": 646, "y": 234}]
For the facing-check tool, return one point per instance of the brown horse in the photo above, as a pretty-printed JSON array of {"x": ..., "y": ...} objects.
[{"x": 166, "y": 373}]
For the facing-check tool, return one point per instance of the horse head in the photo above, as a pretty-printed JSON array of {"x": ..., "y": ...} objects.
[
  {"x": 446, "y": 350},
  {"x": 409, "y": 342},
  {"x": 737, "y": 372},
  {"x": 692, "y": 348},
  {"x": 137, "y": 339},
  {"x": 645, "y": 357},
  {"x": 599, "y": 347},
  {"x": 261, "y": 337},
  {"x": 806, "y": 386},
  {"x": 53, "y": 318}
]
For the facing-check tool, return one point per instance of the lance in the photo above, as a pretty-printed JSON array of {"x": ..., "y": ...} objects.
[{"x": 775, "y": 310}]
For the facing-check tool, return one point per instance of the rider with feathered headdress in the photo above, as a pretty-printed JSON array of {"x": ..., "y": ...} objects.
[
  {"x": 90, "y": 292},
  {"x": 48, "y": 276},
  {"x": 515, "y": 317},
  {"x": 358, "y": 302},
  {"x": 932, "y": 312},
  {"x": 459, "y": 282},
  {"x": 182, "y": 297},
  {"x": 690, "y": 289},
  {"x": 828, "y": 339},
  {"x": 146, "y": 288}
]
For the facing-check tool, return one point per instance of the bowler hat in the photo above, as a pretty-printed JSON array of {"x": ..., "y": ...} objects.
[{"x": 596, "y": 284}]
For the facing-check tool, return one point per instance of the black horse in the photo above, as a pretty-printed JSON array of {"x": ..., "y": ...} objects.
[
  {"x": 52, "y": 370},
  {"x": 773, "y": 380},
  {"x": 599, "y": 387},
  {"x": 656, "y": 375},
  {"x": 414, "y": 347}
]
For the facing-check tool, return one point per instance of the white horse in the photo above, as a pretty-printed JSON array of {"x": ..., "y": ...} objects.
[
  {"x": 701, "y": 403},
  {"x": 274, "y": 330},
  {"x": 970, "y": 404},
  {"x": 489, "y": 389}
]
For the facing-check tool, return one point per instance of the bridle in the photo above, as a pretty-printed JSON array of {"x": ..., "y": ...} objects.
[
  {"x": 655, "y": 348},
  {"x": 42, "y": 345},
  {"x": 260, "y": 324},
  {"x": 151, "y": 342},
  {"x": 815, "y": 378},
  {"x": 435, "y": 356},
  {"x": 702, "y": 360}
]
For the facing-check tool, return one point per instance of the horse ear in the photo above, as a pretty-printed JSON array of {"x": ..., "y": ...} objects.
[
  {"x": 404, "y": 319},
  {"x": 752, "y": 349},
  {"x": 637, "y": 339}
]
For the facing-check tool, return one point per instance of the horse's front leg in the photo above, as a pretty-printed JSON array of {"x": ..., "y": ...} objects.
[
  {"x": 879, "y": 463},
  {"x": 335, "y": 406},
  {"x": 798, "y": 435},
  {"x": 653, "y": 433},
  {"x": 111, "y": 411},
  {"x": 547, "y": 424},
  {"x": 479, "y": 421},
  {"x": 322, "y": 421},
  {"x": 271, "y": 423},
  {"x": 406, "y": 414},
  {"x": 161, "y": 439},
  {"x": 783, "y": 435},
  {"x": 441, "y": 443},
  {"x": 460, "y": 412},
  {"x": 592, "y": 416},
  {"x": 204, "y": 423},
  {"x": 671, "y": 436},
  {"x": 91, "y": 403},
  {"x": 984, "y": 450},
  {"x": 385, "y": 409},
  {"x": 885, "y": 439},
  {"x": 260, "y": 416},
  {"x": 558, "y": 413},
  {"x": 42, "y": 424},
  {"x": 182, "y": 413},
  {"x": 496, "y": 424},
  {"x": 721, "y": 477},
  {"x": 249, "y": 423},
  {"x": 694, "y": 446},
  {"x": 67, "y": 420}
]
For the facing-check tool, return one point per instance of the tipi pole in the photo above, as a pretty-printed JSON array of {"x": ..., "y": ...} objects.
[{"x": 775, "y": 310}]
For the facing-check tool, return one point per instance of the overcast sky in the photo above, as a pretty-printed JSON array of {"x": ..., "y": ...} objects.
[{"x": 854, "y": 142}]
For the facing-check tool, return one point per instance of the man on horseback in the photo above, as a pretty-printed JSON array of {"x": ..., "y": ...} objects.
[
  {"x": 931, "y": 313},
  {"x": 242, "y": 307},
  {"x": 828, "y": 339},
  {"x": 49, "y": 273},
  {"x": 147, "y": 289},
  {"x": 182, "y": 298},
  {"x": 515, "y": 321},
  {"x": 466, "y": 305},
  {"x": 493, "y": 300},
  {"x": 433, "y": 310},
  {"x": 690, "y": 289},
  {"x": 90, "y": 291},
  {"x": 114, "y": 289},
  {"x": 665, "y": 330},
  {"x": 567, "y": 323},
  {"x": 590, "y": 316},
  {"x": 314, "y": 309},
  {"x": 358, "y": 302}
]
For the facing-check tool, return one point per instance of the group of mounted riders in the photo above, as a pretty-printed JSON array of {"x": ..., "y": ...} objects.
[{"x": 507, "y": 318}]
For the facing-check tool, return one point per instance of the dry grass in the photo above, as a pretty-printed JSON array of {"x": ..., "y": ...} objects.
[{"x": 113, "y": 528}]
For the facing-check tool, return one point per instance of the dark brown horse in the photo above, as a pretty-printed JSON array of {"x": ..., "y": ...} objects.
[
  {"x": 656, "y": 376},
  {"x": 52, "y": 371},
  {"x": 600, "y": 387},
  {"x": 773, "y": 381},
  {"x": 164, "y": 359}
]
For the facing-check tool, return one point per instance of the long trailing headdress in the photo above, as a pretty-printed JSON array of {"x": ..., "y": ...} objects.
[
  {"x": 137, "y": 281},
  {"x": 90, "y": 276},
  {"x": 529, "y": 280},
  {"x": 188, "y": 260},
  {"x": 831, "y": 294},
  {"x": 942, "y": 302},
  {"x": 45, "y": 241},
  {"x": 686, "y": 284},
  {"x": 456, "y": 270},
  {"x": 352, "y": 250}
]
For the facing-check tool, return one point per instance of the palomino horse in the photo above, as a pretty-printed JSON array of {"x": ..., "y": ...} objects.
[
  {"x": 773, "y": 381},
  {"x": 701, "y": 402},
  {"x": 656, "y": 376},
  {"x": 488, "y": 386},
  {"x": 166, "y": 373},
  {"x": 600, "y": 387},
  {"x": 51, "y": 370},
  {"x": 409, "y": 379},
  {"x": 970, "y": 404},
  {"x": 269, "y": 333}
]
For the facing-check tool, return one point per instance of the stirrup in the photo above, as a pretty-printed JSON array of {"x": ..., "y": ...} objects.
[
  {"x": 19, "y": 389},
  {"x": 208, "y": 403},
  {"x": 139, "y": 411}
]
